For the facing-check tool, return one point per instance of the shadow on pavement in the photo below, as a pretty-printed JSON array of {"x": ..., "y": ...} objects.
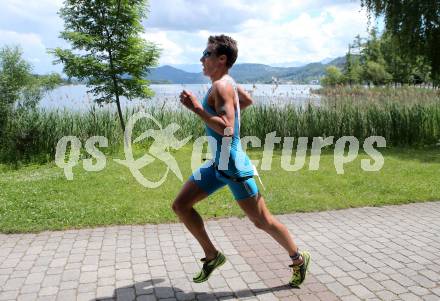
[{"x": 149, "y": 290}]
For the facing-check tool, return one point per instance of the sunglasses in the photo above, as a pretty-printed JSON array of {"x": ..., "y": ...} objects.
[{"x": 206, "y": 54}]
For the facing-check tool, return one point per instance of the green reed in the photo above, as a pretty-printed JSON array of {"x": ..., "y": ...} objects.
[
  {"x": 404, "y": 116},
  {"x": 401, "y": 125}
]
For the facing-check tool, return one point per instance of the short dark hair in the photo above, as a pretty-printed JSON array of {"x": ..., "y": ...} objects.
[{"x": 225, "y": 45}]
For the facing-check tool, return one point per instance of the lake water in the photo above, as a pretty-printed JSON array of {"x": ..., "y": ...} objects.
[{"x": 75, "y": 97}]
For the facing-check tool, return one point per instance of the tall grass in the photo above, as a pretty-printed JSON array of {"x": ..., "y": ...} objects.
[
  {"x": 405, "y": 117},
  {"x": 401, "y": 125},
  {"x": 33, "y": 135},
  {"x": 378, "y": 95}
]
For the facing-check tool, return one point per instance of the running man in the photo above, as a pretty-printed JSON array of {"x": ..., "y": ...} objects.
[{"x": 220, "y": 111}]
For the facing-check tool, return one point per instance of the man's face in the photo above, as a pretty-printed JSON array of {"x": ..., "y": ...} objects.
[{"x": 209, "y": 60}]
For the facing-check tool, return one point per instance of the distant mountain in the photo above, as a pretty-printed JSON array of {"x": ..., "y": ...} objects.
[
  {"x": 289, "y": 64},
  {"x": 326, "y": 60},
  {"x": 196, "y": 68},
  {"x": 249, "y": 73},
  {"x": 171, "y": 75},
  {"x": 338, "y": 62},
  {"x": 193, "y": 68}
]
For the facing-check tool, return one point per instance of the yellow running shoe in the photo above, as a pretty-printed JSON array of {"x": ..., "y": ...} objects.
[
  {"x": 209, "y": 267},
  {"x": 300, "y": 271}
]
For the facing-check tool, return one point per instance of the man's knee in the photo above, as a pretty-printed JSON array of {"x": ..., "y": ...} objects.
[
  {"x": 176, "y": 207},
  {"x": 179, "y": 207},
  {"x": 262, "y": 223}
]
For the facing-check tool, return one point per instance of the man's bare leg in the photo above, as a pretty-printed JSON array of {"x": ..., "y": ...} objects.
[
  {"x": 255, "y": 208},
  {"x": 189, "y": 195}
]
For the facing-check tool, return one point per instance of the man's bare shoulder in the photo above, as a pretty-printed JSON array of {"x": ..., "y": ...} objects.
[{"x": 222, "y": 89}]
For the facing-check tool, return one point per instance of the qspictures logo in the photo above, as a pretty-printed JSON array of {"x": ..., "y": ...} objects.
[{"x": 164, "y": 140}]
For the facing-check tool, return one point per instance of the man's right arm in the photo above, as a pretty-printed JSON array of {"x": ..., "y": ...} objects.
[{"x": 244, "y": 98}]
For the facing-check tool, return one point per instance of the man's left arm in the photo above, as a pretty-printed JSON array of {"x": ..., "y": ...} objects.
[{"x": 223, "y": 123}]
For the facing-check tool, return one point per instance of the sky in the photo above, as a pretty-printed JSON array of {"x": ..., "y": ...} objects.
[{"x": 271, "y": 32}]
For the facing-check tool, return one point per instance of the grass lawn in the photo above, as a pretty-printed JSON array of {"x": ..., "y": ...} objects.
[{"x": 36, "y": 198}]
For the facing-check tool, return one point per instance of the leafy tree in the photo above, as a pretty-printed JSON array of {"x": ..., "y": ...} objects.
[
  {"x": 380, "y": 60},
  {"x": 17, "y": 84},
  {"x": 355, "y": 74},
  {"x": 348, "y": 66},
  {"x": 50, "y": 81},
  {"x": 333, "y": 76},
  {"x": 20, "y": 92},
  {"x": 397, "y": 63},
  {"x": 421, "y": 71},
  {"x": 374, "y": 64},
  {"x": 371, "y": 50},
  {"x": 376, "y": 73},
  {"x": 403, "y": 68},
  {"x": 15, "y": 73},
  {"x": 416, "y": 25},
  {"x": 112, "y": 58},
  {"x": 14, "y": 76},
  {"x": 35, "y": 89},
  {"x": 352, "y": 68}
]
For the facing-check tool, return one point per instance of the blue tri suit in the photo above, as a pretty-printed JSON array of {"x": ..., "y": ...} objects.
[{"x": 238, "y": 173}]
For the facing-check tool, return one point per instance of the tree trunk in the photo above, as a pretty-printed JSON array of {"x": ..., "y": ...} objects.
[
  {"x": 121, "y": 118},
  {"x": 118, "y": 104}
]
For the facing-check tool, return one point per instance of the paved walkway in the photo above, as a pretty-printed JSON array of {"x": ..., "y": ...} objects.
[{"x": 388, "y": 253}]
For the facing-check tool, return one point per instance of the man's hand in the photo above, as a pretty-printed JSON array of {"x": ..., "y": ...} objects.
[
  {"x": 244, "y": 97},
  {"x": 190, "y": 101},
  {"x": 223, "y": 121}
]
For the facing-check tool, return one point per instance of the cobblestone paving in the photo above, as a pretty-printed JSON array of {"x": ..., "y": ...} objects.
[{"x": 388, "y": 253}]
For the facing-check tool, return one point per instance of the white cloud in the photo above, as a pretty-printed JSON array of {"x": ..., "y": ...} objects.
[
  {"x": 31, "y": 43},
  {"x": 34, "y": 50},
  {"x": 267, "y": 32},
  {"x": 171, "y": 52},
  {"x": 227, "y": 15},
  {"x": 195, "y": 15},
  {"x": 30, "y": 40},
  {"x": 36, "y": 10},
  {"x": 35, "y": 25},
  {"x": 280, "y": 31}
]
